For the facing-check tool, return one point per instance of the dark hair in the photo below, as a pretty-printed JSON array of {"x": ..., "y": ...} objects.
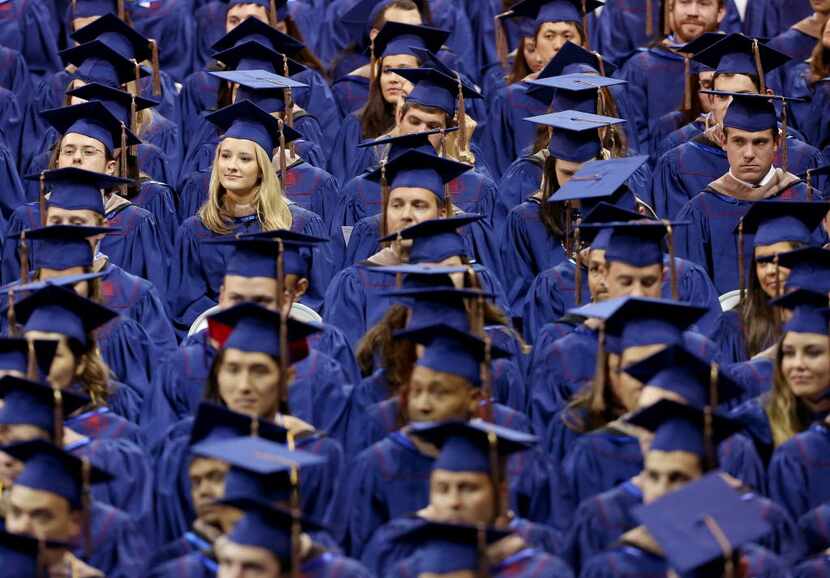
[
  {"x": 378, "y": 346},
  {"x": 377, "y": 117},
  {"x": 820, "y": 60},
  {"x": 692, "y": 113},
  {"x": 212, "y": 383},
  {"x": 756, "y": 80},
  {"x": 304, "y": 56},
  {"x": 520, "y": 66}
]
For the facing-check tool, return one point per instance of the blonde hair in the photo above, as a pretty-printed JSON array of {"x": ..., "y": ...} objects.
[
  {"x": 787, "y": 414},
  {"x": 271, "y": 207}
]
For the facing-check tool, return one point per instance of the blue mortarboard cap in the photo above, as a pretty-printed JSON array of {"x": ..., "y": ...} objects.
[
  {"x": 444, "y": 548},
  {"x": 677, "y": 369},
  {"x": 603, "y": 212},
  {"x": 74, "y": 189},
  {"x": 249, "y": 327},
  {"x": 678, "y": 427},
  {"x": 216, "y": 423},
  {"x": 57, "y": 309},
  {"x": 636, "y": 243},
  {"x": 399, "y": 38},
  {"x": 260, "y": 468},
  {"x": 418, "y": 169},
  {"x": 575, "y": 136},
  {"x": 66, "y": 281},
  {"x": 61, "y": 247},
  {"x": 598, "y": 179},
  {"x": 691, "y": 523},
  {"x": 542, "y": 11},
  {"x": 14, "y": 354},
  {"x": 400, "y": 144},
  {"x": 809, "y": 311},
  {"x": 265, "y": 89},
  {"x": 118, "y": 102},
  {"x": 449, "y": 350},
  {"x": 778, "y": 221},
  {"x": 246, "y": 121},
  {"x": 31, "y": 403},
  {"x": 21, "y": 555},
  {"x": 571, "y": 59},
  {"x": 735, "y": 54},
  {"x": 254, "y": 55},
  {"x": 436, "y": 239},
  {"x": 91, "y": 119},
  {"x": 809, "y": 268},
  {"x": 701, "y": 43},
  {"x": 97, "y": 62},
  {"x": 465, "y": 446},
  {"x": 256, "y": 253},
  {"x": 117, "y": 35},
  {"x": 749, "y": 112},
  {"x": 270, "y": 528},
  {"x": 90, "y": 8},
  {"x": 435, "y": 89},
  {"x": 51, "y": 469},
  {"x": 254, "y": 30},
  {"x": 577, "y": 82}
]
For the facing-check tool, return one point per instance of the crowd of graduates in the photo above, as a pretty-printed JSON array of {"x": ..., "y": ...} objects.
[{"x": 414, "y": 288}]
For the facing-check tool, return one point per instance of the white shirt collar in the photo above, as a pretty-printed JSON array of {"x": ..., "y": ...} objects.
[{"x": 763, "y": 182}]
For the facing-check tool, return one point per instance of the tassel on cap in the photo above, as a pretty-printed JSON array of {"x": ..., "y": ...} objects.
[
  {"x": 708, "y": 417},
  {"x": 122, "y": 11},
  {"x": 154, "y": 62},
  {"x": 785, "y": 148},
  {"x": 687, "y": 83},
  {"x": 123, "y": 159},
  {"x": 57, "y": 409},
  {"x": 296, "y": 512},
  {"x": 31, "y": 363},
  {"x": 667, "y": 8},
  {"x": 777, "y": 275},
  {"x": 23, "y": 251},
  {"x": 675, "y": 294},
  {"x": 254, "y": 427},
  {"x": 461, "y": 113},
  {"x": 600, "y": 63},
  {"x": 283, "y": 157},
  {"x": 41, "y": 199},
  {"x": 759, "y": 67},
  {"x": 372, "y": 62},
  {"x": 649, "y": 18},
  {"x": 384, "y": 198},
  {"x": 741, "y": 265},
  {"x": 495, "y": 474},
  {"x": 136, "y": 90},
  {"x": 578, "y": 271},
  {"x": 501, "y": 39},
  {"x": 723, "y": 543},
  {"x": 809, "y": 179},
  {"x": 272, "y": 14},
  {"x": 288, "y": 95},
  {"x": 585, "y": 26},
  {"x": 11, "y": 318}
]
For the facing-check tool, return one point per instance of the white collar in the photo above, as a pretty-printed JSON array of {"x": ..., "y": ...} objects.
[{"x": 763, "y": 182}]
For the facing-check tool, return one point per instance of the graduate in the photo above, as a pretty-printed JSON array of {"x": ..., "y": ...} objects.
[
  {"x": 252, "y": 276},
  {"x": 720, "y": 529},
  {"x": 798, "y": 40},
  {"x": 29, "y": 411},
  {"x": 684, "y": 171},
  {"x": 537, "y": 233},
  {"x": 201, "y": 92},
  {"x": 389, "y": 478},
  {"x": 244, "y": 196},
  {"x": 58, "y": 482},
  {"x": 91, "y": 135},
  {"x": 754, "y": 326},
  {"x": 414, "y": 191},
  {"x": 306, "y": 184},
  {"x": 468, "y": 452},
  {"x": 24, "y": 556},
  {"x": 751, "y": 141},
  {"x": 245, "y": 377},
  {"x": 393, "y": 49},
  {"x": 226, "y": 463},
  {"x": 656, "y": 75},
  {"x": 634, "y": 266},
  {"x": 556, "y": 23}
]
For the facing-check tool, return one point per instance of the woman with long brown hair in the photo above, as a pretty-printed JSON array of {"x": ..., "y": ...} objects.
[
  {"x": 754, "y": 325},
  {"x": 393, "y": 49},
  {"x": 244, "y": 196}
]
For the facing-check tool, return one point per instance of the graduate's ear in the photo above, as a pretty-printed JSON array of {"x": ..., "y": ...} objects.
[
  {"x": 300, "y": 288},
  {"x": 80, "y": 368},
  {"x": 221, "y": 294},
  {"x": 722, "y": 137},
  {"x": 721, "y": 10},
  {"x": 475, "y": 401},
  {"x": 110, "y": 167},
  {"x": 75, "y": 522}
]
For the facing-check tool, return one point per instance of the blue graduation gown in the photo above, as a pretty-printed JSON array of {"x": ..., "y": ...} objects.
[
  {"x": 815, "y": 527},
  {"x": 353, "y": 303},
  {"x": 819, "y": 132},
  {"x": 198, "y": 268},
  {"x": 628, "y": 561},
  {"x": 170, "y": 23},
  {"x": 12, "y": 195},
  {"x": 553, "y": 293},
  {"x": 173, "y": 510},
  {"x": 677, "y": 137},
  {"x": 711, "y": 240},
  {"x": 11, "y": 121},
  {"x": 527, "y": 248},
  {"x": 687, "y": 169},
  {"x": 479, "y": 239},
  {"x": 781, "y": 14},
  {"x": 755, "y": 376},
  {"x": 189, "y": 543},
  {"x": 14, "y": 75},
  {"x": 799, "y": 476},
  {"x": 130, "y": 354},
  {"x": 346, "y": 161},
  {"x": 794, "y": 43},
  {"x": 386, "y": 549},
  {"x": 527, "y": 563},
  {"x": 730, "y": 338},
  {"x": 27, "y": 26},
  {"x": 818, "y": 567},
  {"x": 192, "y": 565},
  {"x": 351, "y": 93}
]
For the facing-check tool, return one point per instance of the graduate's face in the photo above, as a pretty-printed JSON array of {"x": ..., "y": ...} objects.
[
  {"x": 706, "y": 79},
  {"x": 666, "y": 472},
  {"x": 532, "y": 56},
  {"x": 396, "y": 14},
  {"x": 825, "y": 36},
  {"x": 629, "y": 388},
  {"x": 624, "y": 280},
  {"x": 238, "y": 13},
  {"x": 238, "y": 167},
  {"x": 82, "y": 152},
  {"x": 393, "y": 86},
  {"x": 409, "y": 206},
  {"x": 248, "y": 382},
  {"x": 739, "y": 83},
  {"x": 438, "y": 396},
  {"x": 41, "y": 515},
  {"x": 805, "y": 364},
  {"x": 237, "y": 561},
  {"x": 207, "y": 482},
  {"x": 413, "y": 119},
  {"x": 771, "y": 278},
  {"x": 820, "y": 6},
  {"x": 81, "y": 288},
  {"x": 65, "y": 366},
  {"x": 75, "y": 217},
  {"x": 691, "y": 18},
  {"x": 552, "y": 36},
  {"x": 462, "y": 497},
  {"x": 10, "y": 468},
  {"x": 565, "y": 170},
  {"x": 596, "y": 275},
  {"x": 259, "y": 290},
  {"x": 750, "y": 154}
]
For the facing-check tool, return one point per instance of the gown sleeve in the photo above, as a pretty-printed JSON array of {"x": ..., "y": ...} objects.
[
  {"x": 119, "y": 545},
  {"x": 343, "y": 149},
  {"x": 696, "y": 288},
  {"x": 792, "y": 476},
  {"x": 188, "y": 289},
  {"x": 692, "y": 242},
  {"x": 333, "y": 343},
  {"x": 318, "y": 100},
  {"x": 498, "y": 143},
  {"x": 346, "y": 305},
  {"x": 128, "y": 351},
  {"x": 323, "y": 257}
]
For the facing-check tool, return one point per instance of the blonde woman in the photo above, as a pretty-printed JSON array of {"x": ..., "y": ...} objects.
[{"x": 244, "y": 196}]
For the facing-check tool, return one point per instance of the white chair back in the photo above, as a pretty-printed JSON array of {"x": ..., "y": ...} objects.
[
  {"x": 299, "y": 312},
  {"x": 730, "y": 300}
]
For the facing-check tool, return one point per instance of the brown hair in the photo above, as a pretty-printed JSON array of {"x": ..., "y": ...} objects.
[
  {"x": 95, "y": 376},
  {"x": 377, "y": 117},
  {"x": 396, "y": 356},
  {"x": 304, "y": 56},
  {"x": 820, "y": 60},
  {"x": 595, "y": 406},
  {"x": 760, "y": 324},
  {"x": 520, "y": 66},
  {"x": 692, "y": 113}
]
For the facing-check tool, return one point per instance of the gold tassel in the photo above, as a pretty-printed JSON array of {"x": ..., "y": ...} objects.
[
  {"x": 24, "y": 257},
  {"x": 777, "y": 276},
  {"x": 649, "y": 18},
  {"x": 568, "y": 239},
  {"x": 687, "y": 83},
  {"x": 785, "y": 148},
  {"x": 283, "y": 158},
  {"x": 741, "y": 266},
  {"x": 487, "y": 379},
  {"x": 587, "y": 42},
  {"x": 123, "y": 159},
  {"x": 31, "y": 363},
  {"x": 461, "y": 113},
  {"x": 809, "y": 178},
  {"x": 42, "y": 199},
  {"x": 272, "y": 14},
  {"x": 442, "y": 148},
  {"x": 578, "y": 271},
  {"x": 601, "y": 368},
  {"x": 675, "y": 295},
  {"x": 600, "y": 63},
  {"x": 11, "y": 319},
  {"x": 296, "y": 528},
  {"x": 254, "y": 427},
  {"x": 756, "y": 52},
  {"x": 137, "y": 86},
  {"x": 372, "y": 63},
  {"x": 667, "y": 8},
  {"x": 384, "y": 199},
  {"x": 288, "y": 95},
  {"x": 495, "y": 474},
  {"x": 57, "y": 409},
  {"x": 723, "y": 543},
  {"x": 122, "y": 12},
  {"x": 709, "y": 409},
  {"x": 154, "y": 51}
]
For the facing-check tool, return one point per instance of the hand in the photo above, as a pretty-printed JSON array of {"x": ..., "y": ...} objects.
[
  {"x": 71, "y": 567},
  {"x": 294, "y": 424}
]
